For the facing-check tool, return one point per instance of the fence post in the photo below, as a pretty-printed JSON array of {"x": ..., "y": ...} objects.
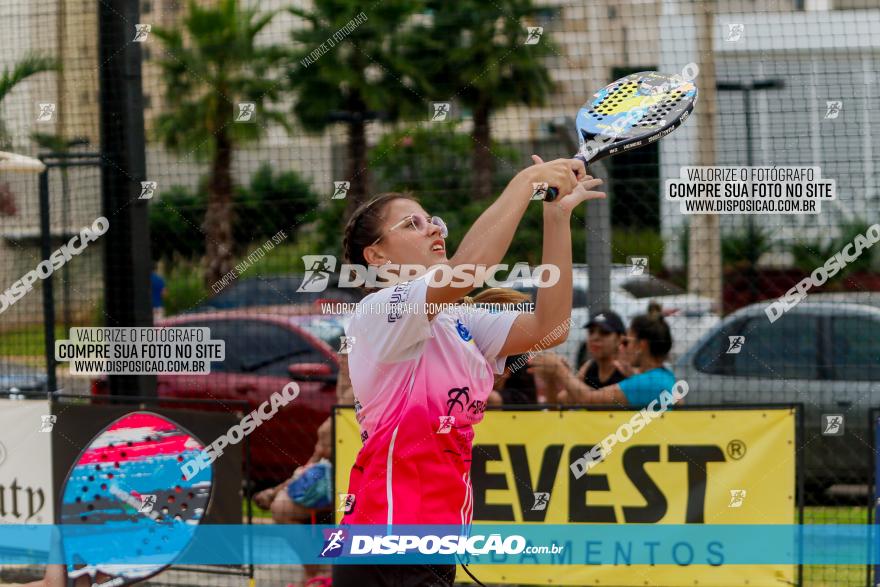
[
  {"x": 48, "y": 293},
  {"x": 127, "y": 249},
  {"x": 598, "y": 226}
]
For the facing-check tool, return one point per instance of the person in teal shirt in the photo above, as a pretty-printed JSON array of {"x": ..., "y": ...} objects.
[{"x": 644, "y": 351}]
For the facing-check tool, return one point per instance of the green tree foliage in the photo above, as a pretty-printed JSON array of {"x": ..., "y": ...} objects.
[
  {"x": 361, "y": 79},
  {"x": 745, "y": 248},
  {"x": 211, "y": 64},
  {"x": 475, "y": 52},
  {"x": 808, "y": 255},
  {"x": 22, "y": 70},
  {"x": 175, "y": 218},
  {"x": 433, "y": 163},
  {"x": 271, "y": 202}
]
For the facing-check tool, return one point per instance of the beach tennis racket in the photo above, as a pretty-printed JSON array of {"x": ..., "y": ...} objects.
[
  {"x": 631, "y": 112},
  {"x": 127, "y": 487}
]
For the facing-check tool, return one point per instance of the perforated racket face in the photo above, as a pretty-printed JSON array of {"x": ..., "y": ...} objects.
[
  {"x": 636, "y": 106},
  {"x": 138, "y": 455}
]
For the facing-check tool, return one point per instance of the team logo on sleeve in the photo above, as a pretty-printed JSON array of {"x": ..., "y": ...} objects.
[
  {"x": 399, "y": 295},
  {"x": 463, "y": 332},
  {"x": 458, "y": 396}
]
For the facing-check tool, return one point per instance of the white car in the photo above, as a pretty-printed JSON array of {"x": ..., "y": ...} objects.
[{"x": 690, "y": 315}]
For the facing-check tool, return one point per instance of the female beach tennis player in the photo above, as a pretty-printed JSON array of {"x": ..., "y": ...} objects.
[{"x": 422, "y": 378}]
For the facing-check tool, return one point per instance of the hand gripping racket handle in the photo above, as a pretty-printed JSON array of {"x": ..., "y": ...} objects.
[{"x": 553, "y": 192}]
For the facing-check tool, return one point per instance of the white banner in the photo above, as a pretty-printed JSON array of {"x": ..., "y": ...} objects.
[{"x": 25, "y": 462}]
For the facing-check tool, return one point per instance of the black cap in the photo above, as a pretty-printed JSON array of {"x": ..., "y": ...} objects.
[{"x": 608, "y": 321}]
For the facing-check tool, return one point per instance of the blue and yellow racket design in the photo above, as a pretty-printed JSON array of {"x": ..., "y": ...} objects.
[{"x": 631, "y": 112}]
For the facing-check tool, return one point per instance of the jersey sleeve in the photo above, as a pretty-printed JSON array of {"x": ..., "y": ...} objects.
[
  {"x": 391, "y": 323},
  {"x": 490, "y": 330}
]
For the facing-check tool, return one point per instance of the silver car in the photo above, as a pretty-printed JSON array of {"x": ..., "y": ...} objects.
[
  {"x": 692, "y": 314},
  {"x": 824, "y": 353},
  {"x": 17, "y": 378}
]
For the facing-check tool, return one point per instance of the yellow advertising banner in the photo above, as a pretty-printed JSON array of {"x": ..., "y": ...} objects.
[{"x": 687, "y": 467}]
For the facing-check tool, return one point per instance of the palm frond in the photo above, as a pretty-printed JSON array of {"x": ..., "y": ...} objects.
[
  {"x": 210, "y": 62},
  {"x": 25, "y": 68}
]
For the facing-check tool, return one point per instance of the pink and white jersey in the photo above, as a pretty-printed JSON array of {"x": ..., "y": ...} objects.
[{"x": 420, "y": 386}]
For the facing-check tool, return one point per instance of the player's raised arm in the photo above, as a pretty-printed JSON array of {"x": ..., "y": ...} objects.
[
  {"x": 548, "y": 326},
  {"x": 490, "y": 236}
]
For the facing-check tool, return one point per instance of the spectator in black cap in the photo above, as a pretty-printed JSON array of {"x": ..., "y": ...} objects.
[
  {"x": 646, "y": 345},
  {"x": 605, "y": 334}
]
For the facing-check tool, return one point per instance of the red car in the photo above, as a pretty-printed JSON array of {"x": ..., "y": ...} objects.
[{"x": 265, "y": 350}]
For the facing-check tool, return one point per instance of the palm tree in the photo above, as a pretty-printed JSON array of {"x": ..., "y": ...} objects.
[
  {"x": 28, "y": 66},
  {"x": 360, "y": 80},
  {"x": 9, "y": 78},
  {"x": 211, "y": 65},
  {"x": 476, "y": 51}
]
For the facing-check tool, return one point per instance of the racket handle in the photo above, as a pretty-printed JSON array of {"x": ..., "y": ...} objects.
[{"x": 552, "y": 192}]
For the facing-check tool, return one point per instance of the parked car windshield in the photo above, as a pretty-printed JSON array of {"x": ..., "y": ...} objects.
[
  {"x": 327, "y": 329},
  {"x": 274, "y": 291},
  {"x": 855, "y": 348},
  {"x": 785, "y": 349},
  {"x": 258, "y": 347}
]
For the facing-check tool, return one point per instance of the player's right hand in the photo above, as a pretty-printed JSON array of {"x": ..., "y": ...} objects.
[
  {"x": 583, "y": 189},
  {"x": 560, "y": 173}
]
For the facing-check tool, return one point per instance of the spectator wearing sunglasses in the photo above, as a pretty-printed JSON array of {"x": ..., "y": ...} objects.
[
  {"x": 644, "y": 351},
  {"x": 606, "y": 332}
]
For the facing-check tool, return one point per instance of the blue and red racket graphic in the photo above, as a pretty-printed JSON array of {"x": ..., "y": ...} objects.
[{"x": 128, "y": 486}]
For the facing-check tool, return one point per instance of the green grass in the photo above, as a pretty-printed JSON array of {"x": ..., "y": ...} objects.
[
  {"x": 835, "y": 575},
  {"x": 835, "y": 515},
  {"x": 27, "y": 341}
]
